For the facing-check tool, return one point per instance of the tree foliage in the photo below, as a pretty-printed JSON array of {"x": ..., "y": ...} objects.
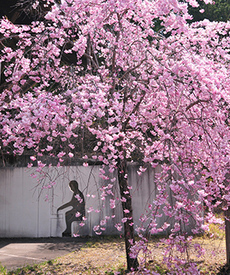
[
  {"x": 219, "y": 10},
  {"x": 156, "y": 95}
]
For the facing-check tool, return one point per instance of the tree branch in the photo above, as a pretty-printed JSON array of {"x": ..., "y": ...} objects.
[{"x": 196, "y": 102}]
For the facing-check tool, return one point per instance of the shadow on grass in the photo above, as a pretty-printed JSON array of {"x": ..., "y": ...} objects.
[{"x": 224, "y": 270}]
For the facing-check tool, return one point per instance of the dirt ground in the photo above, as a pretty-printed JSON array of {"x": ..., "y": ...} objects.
[{"x": 107, "y": 256}]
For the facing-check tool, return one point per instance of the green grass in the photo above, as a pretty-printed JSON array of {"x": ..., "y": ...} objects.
[
  {"x": 216, "y": 231},
  {"x": 24, "y": 270},
  {"x": 29, "y": 269},
  {"x": 93, "y": 247},
  {"x": 155, "y": 266},
  {"x": 3, "y": 270}
]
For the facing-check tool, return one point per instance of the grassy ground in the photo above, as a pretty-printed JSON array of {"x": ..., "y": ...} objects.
[{"x": 107, "y": 256}]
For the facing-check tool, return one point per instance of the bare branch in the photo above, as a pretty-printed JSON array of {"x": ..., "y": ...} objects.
[
  {"x": 133, "y": 111},
  {"x": 196, "y": 102},
  {"x": 132, "y": 69}
]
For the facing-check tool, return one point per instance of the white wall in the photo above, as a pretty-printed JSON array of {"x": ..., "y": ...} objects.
[{"x": 28, "y": 211}]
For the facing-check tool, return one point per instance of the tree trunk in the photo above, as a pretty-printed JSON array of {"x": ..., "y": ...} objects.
[
  {"x": 127, "y": 206},
  {"x": 227, "y": 235}
]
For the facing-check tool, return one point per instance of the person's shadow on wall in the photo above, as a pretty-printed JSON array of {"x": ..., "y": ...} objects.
[{"x": 78, "y": 208}]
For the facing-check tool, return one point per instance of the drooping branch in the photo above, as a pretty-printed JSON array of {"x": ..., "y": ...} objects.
[
  {"x": 196, "y": 102},
  {"x": 124, "y": 126},
  {"x": 131, "y": 70}
]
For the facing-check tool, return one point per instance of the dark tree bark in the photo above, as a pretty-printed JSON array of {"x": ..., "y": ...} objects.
[{"x": 127, "y": 205}]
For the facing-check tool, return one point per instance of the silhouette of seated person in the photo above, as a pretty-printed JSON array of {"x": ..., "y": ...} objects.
[{"x": 78, "y": 207}]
